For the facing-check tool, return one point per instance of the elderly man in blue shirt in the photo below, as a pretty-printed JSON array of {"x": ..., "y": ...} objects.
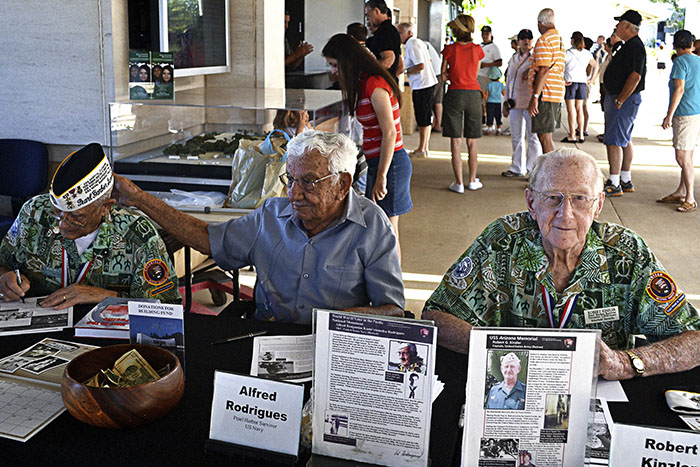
[
  {"x": 323, "y": 246},
  {"x": 510, "y": 393}
]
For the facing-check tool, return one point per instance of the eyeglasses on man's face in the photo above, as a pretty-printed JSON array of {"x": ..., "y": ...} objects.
[
  {"x": 554, "y": 199},
  {"x": 306, "y": 185}
]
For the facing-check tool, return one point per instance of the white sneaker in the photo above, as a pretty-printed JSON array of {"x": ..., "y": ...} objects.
[
  {"x": 456, "y": 187},
  {"x": 418, "y": 154},
  {"x": 475, "y": 185}
]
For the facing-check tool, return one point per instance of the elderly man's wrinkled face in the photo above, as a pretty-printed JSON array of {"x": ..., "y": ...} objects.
[
  {"x": 510, "y": 371},
  {"x": 405, "y": 356},
  {"x": 76, "y": 224},
  {"x": 320, "y": 202},
  {"x": 565, "y": 228}
]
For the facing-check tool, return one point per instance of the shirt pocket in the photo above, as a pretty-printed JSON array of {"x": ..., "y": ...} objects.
[{"x": 348, "y": 282}]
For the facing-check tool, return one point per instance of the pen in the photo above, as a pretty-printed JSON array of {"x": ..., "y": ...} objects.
[
  {"x": 19, "y": 281},
  {"x": 243, "y": 336}
]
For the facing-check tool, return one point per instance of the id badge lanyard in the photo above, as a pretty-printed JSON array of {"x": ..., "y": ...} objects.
[
  {"x": 548, "y": 302},
  {"x": 65, "y": 270}
]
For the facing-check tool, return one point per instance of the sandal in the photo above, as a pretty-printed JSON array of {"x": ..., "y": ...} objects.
[
  {"x": 671, "y": 199},
  {"x": 687, "y": 207},
  {"x": 567, "y": 140}
]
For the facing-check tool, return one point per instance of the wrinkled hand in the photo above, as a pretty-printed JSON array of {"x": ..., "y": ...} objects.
[
  {"x": 533, "y": 107},
  {"x": 76, "y": 294},
  {"x": 125, "y": 191},
  {"x": 613, "y": 364},
  {"x": 379, "y": 191},
  {"x": 666, "y": 123},
  {"x": 10, "y": 289}
]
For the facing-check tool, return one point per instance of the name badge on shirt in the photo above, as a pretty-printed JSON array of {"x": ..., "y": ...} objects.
[{"x": 601, "y": 315}]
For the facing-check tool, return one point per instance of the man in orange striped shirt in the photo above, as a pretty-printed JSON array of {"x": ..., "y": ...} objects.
[{"x": 546, "y": 76}]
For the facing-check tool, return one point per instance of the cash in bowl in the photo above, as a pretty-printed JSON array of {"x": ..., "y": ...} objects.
[{"x": 121, "y": 407}]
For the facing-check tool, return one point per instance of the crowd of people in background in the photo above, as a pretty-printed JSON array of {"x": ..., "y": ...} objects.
[{"x": 463, "y": 93}]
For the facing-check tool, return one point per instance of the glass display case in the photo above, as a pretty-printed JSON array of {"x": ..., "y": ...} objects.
[{"x": 144, "y": 133}]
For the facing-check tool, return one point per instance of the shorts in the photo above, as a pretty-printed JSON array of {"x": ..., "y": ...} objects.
[
  {"x": 398, "y": 184},
  {"x": 493, "y": 111},
  {"x": 439, "y": 90},
  {"x": 461, "y": 115},
  {"x": 686, "y": 132},
  {"x": 423, "y": 105},
  {"x": 619, "y": 123},
  {"x": 576, "y": 91},
  {"x": 548, "y": 119}
]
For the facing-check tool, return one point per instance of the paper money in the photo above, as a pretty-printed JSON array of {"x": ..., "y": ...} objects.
[{"x": 134, "y": 369}]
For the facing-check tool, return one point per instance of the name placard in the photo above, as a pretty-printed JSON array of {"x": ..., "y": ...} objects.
[
  {"x": 654, "y": 447},
  {"x": 255, "y": 412}
]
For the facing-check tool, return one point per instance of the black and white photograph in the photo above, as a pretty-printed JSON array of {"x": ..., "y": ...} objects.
[
  {"x": 40, "y": 350},
  {"x": 62, "y": 346},
  {"x": 498, "y": 448},
  {"x": 44, "y": 364},
  {"x": 275, "y": 367},
  {"x": 336, "y": 424},
  {"x": 556, "y": 411},
  {"x": 407, "y": 357},
  {"x": 414, "y": 386},
  {"x": 506, "y": 376},
  {"x": 12, "y": 364},
  {"x": 14, "y": 317}
]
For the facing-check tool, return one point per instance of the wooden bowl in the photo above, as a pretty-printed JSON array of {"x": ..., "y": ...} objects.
[{"x": 121, "y": 407}]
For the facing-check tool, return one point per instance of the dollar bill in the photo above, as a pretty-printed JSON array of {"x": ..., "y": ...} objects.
[{"x": 133, "y": 369}]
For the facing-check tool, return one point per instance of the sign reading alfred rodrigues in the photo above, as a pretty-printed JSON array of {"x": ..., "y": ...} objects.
[{"x": 258, "y": 413}]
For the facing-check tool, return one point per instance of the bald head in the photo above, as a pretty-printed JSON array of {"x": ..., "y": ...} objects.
[{"x": 547, "y": 166}]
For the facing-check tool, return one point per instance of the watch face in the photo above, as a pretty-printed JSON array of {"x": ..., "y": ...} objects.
[{"x": 638, "y": 364}]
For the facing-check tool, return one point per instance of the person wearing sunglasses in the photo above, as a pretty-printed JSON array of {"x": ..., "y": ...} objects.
[
  {"x": 556, "y": 266},
  {"x": 321, "y": 247}
]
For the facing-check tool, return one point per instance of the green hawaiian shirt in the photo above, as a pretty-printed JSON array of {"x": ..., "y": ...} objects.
[
  {"x": 127, "y": 255},
  {"x": 498, "y": 282}
]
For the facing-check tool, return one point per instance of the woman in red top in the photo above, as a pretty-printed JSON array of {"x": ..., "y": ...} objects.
[
  {"x": 373, "y": 96},
  {"x": 462, "y": 103}
]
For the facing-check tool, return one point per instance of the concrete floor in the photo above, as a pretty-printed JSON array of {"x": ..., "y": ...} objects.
[{"x": 443, "y": 224}]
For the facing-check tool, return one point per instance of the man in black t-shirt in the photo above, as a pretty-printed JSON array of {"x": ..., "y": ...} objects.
[
  {"x": 386, "y": 42},
  {"x": 624, "y": 81}
]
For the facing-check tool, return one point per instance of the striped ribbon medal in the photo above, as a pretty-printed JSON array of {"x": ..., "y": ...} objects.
[
  {"x": 65, "y": 270},
  {"x": 569, "y": 307}
]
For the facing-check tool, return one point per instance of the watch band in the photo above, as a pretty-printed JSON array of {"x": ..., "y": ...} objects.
[
  {"x": 536, "y": 96},
  {"x": 637, "y": 363}
]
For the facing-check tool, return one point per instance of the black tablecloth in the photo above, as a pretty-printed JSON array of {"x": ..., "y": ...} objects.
[
  {"x": 176, "y": 439},
  {"x": 646, "y": 406}
]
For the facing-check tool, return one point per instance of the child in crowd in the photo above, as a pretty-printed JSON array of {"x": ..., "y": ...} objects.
[{"x": 494, "y": 94}]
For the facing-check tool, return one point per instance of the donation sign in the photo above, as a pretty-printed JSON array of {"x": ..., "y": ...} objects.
[
  {"x": 528, "y": 396},
  {"x": 373, "y": 380},
  {"x": 258, "y": 413}
]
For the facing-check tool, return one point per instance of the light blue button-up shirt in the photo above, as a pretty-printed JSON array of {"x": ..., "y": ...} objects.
[{"x": 353, "y": 262}]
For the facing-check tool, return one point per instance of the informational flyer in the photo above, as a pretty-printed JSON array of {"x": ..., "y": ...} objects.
[
  {"x": 283, "y": 358},
  {"x": 599, "y": 434},
  {"x": 528, "y": 396},
  {"x": 373, "y": 382}
]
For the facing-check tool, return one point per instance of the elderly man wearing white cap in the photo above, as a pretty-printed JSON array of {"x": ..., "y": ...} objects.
[
  {"x": 510, "y": 393},
  {"x": 76, "y": 246}
]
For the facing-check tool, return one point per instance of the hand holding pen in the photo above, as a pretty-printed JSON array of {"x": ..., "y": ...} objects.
[
  {"x": 13, "y": 286},
  {"x": 19, "y": 282}
]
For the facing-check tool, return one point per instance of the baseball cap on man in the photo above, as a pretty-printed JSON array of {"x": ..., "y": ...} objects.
[
  {"x": 81, "y": 179},
  {"x": 525, "y": 34},
  {"x": 683, "y": 39},
  {"x": 630, "y": 16}
]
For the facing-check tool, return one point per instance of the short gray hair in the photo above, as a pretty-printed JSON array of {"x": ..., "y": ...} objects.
[
  {"x": 406, "y": 27},
  {"x": 633, "y": 27},
  {"x": 340, "y": 151},
  {"x": 546, "y": 17},
  {"x": 564, "y": 155}
]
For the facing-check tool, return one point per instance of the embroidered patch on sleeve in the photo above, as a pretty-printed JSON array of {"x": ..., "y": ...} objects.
[
  {"x": 169, "y": 285},
  {"x": 661, "y": 287},
  {"x": 156, "y": 272},
  {"x": 463, "y": 268}
]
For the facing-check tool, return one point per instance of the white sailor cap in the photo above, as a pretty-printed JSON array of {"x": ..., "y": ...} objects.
[
  {"x": 82, "y": 178},
  {"x": 510, "y": 358}
]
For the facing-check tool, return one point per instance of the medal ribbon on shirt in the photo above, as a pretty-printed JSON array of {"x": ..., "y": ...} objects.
[
  {"x": 548, "y": 302},
  {"x": 65, "y": 270}
]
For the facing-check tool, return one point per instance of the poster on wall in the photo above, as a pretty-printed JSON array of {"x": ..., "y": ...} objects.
[
  {"x": 140, "y": 77},
  {"x": 163, "y": 71}
]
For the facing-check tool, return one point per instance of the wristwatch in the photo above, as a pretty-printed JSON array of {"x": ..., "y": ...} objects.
[
  {"x": 637, "y": 363},
  {"x": 618, "y": 103},
  {"x": 536, "y": 96}
]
